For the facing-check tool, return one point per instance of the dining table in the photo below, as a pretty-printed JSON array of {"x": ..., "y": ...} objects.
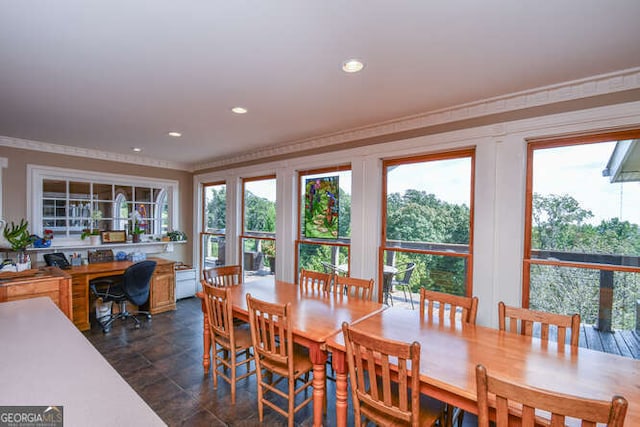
[
  {"x": 450, "y": 352},
  {"x": 316, "y": 316}
]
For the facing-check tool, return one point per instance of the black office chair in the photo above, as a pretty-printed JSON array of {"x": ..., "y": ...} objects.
[{"x": 133, "y": 286}]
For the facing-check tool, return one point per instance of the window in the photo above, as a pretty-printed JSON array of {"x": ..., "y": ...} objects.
[
  {"x": 258, "y": 226},
  {"x": 70, "y": 201},
  {"x": 214, "y": 218},
  {"x": 582, "y": 236},
  {"x": 324, "y": 209},
  {"x": 427, "y": 221}
]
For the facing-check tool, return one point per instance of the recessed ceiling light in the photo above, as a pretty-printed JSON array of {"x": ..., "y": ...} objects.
[
  {"x": 352, "y": 66},
  {"x": 239, "y": 110},
  {"x": 175, "y": 134},
  {"x": 136, "y": 149}
]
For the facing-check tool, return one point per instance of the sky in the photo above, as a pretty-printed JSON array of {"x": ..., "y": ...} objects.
[
  {"x": 573, "y": 170},
  {"x": 577, "y": 171}
]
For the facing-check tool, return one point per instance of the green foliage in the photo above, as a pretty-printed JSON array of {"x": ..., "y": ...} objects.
[
  {"x": 558, "y": 224},
  {"x": 260, "y": 214},
  {"x": 216, "y": 209},
  {"x": 18, "y": 235}
]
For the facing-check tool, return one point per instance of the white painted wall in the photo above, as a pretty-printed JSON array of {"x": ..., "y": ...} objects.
[{"x": 499, "y": 195}]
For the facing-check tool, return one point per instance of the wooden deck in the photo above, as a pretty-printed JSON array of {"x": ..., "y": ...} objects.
[{"x": 622, "y": 343}]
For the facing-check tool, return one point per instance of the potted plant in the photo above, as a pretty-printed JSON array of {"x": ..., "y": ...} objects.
[
  {"x": 19, "y": 238},
  {"x": 269, "y": 251},
  {"x": 176, "y": 236},
  {"x": 93, "y": 232}
]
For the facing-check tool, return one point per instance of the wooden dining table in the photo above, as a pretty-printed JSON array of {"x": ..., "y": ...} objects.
[
  {"x": 450, "y": 353},
  {"x": 316, "y": 316}
]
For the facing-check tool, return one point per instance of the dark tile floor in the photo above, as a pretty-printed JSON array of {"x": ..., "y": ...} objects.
[{"x": 162, "y": 361}]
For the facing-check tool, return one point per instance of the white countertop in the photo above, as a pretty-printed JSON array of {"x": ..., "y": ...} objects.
[{"x": 45, "y": 360}]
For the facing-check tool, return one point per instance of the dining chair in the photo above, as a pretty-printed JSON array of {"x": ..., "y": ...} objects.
[
  {"x": 226, "y": 275},
  {"x": 449, "y": 307},
  {"x": 403, "y": 283},
  {"x": 523, "y": 321},
  {"x": 314, "y": 281},
  {"x": 385, "y": 381},
  {"x": 530, "y": 401},
  {"x": 352, "y": 287},
  {"x": 275, "y": 354},
  {"x": 229, "y": 340}
]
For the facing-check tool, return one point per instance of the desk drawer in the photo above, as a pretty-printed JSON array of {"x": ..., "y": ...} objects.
[{"x": 31, "y": 289}]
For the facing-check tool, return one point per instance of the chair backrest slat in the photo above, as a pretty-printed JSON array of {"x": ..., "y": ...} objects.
[
  {"x": 353, "y": 287},
  {"x": 219, "y": 310},
  {"x": 314, "y": 281},
  {"x": 523, "y": 321},
  {"x": 228, "y": 275},
  {"x": 529, "y": 404},
  {"x": 456, "y": 306},
  {"x": 271, "y": 331},
  {"x": 374, "y": 394}
]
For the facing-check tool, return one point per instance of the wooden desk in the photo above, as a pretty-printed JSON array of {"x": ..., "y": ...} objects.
[
  {"x": 161, "y": 298},
  {"x": 449, "y": 356},
  {"x": 47, "y": 281},
  {"x": 316, "y": 317},
  {"x": 47, "y": 361}
]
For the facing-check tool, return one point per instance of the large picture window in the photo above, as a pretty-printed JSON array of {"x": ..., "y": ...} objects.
[
  {"x": 214, "y": 218},
  {"x": 69, "y": 202},
  {"x": 582, "y": 235},
  {"x": 324, "y": 208},
  {"x": 427, "y": 237},
  {"x": 258, "y": 238}
]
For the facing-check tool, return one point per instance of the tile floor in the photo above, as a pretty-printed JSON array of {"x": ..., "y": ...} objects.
[{"x": 162, "y": 361}]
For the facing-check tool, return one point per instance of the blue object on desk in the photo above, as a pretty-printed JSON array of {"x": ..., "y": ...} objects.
[{"x": 121, "y": 256}]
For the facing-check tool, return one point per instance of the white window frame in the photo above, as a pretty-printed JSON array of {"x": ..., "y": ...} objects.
[{"x": 36, "y": 174}]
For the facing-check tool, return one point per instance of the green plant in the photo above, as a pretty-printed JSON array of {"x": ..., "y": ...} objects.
[
  {"x": 18, "y": 235},
  {"x": 87, "y": 232},
  {"x": 176, "y": 236}
]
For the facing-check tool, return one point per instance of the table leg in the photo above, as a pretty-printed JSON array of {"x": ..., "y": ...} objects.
[
  {"x": 206, "y": 338},
  {"x": 340, "y": 367},
  {"x": 319, "y": 359}
]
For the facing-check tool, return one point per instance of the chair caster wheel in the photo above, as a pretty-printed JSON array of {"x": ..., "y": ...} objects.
[
  {"x": 137, "y": 326},
  {"x": 106, "y": 330},
  {"x": 149, "y": 317}
]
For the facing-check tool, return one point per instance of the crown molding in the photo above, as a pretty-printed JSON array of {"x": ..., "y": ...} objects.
[
  {"x": 603, "y": 84},
  {"x": 26, "y": 144}
]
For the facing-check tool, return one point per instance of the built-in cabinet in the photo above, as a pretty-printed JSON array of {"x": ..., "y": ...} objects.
[
  {"x": 44, "y": 282},
  {"x": 186, "y": 284},
  {"x": 162, "y": 297}
]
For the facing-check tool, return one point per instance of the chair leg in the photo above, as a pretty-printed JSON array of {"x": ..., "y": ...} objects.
[{"x": 411, "y": 298}]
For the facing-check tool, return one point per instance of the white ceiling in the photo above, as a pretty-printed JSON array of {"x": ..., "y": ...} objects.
[{"x": 117, "y": 74}]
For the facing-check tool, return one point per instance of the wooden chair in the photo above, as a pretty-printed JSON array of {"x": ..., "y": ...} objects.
[
  {"x": 228, "y": 340},
  {"x": 227, "y": 275},
  {"x": 353, "y": 287},
  {"x": 374, "y": 395},
  {"x": 314, "y": 281},
  {"x": 275, "y": 353},
  {"x": 528, "y": 399},
  {"x": 454, "y": 305},
  {"x": 522, "y": 320}
]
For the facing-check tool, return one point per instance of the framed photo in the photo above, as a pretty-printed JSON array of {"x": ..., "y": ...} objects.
[{"x": 114, "y": 236}]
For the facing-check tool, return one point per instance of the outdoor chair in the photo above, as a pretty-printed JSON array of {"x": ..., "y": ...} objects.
[{"x": 403, "y": 283}]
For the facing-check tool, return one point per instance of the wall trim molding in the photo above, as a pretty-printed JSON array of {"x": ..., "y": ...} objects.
[
  {"x": 603, "y": 84},
  {"x": 67, "y": 150}
]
